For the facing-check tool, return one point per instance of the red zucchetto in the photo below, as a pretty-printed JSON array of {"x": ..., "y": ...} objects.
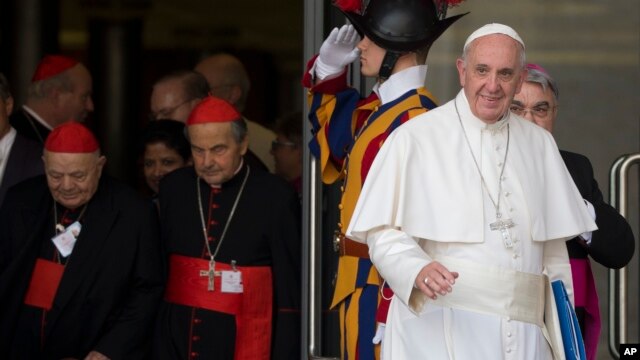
[
  {"x": 52, "y": 65},
  {"x": 71, "y": 137},
  {"x": 212, "y": 110},
  {"x": 536, "y": 67}
]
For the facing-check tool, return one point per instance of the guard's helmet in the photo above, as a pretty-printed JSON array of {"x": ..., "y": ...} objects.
[{"x": 402, "y": 25}]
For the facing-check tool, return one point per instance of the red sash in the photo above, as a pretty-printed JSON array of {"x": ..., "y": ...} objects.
[
  {"x": 44, "y": 283},
  {"x": 252, "y": 308}
]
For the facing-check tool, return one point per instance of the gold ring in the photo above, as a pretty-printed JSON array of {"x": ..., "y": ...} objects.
[{"x": 426, "y": 280}]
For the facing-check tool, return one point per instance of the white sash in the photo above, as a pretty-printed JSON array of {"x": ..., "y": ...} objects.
[{"x": 504, "y": 292}]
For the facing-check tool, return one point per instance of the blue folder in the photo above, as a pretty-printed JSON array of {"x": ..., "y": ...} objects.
[{"x": 569, "y": 326}]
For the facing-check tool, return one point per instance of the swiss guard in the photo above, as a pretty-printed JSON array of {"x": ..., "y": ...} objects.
[{"x": 391, "y": 38}]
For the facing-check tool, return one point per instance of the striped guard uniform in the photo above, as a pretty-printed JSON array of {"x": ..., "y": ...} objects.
[{"x": 348, "y": 133}]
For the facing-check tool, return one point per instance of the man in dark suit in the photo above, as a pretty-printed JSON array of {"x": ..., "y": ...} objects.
[
  {"x": 60, "y": 90},
  {"x": 20, "y": 158},
  {"x": 612, "y": 245},
  {"x": 80, "y": 269}
]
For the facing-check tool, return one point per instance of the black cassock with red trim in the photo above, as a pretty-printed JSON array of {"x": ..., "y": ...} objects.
[
  {"x": 109, "y": 287},
  {"x": 262, "y": 241}
]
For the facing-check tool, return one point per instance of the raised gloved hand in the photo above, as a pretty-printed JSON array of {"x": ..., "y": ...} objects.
[{"x": 337, "y": 51}]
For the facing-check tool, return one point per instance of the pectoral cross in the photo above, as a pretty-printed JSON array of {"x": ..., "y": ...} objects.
[
  {"x": 211, "y": 273},
  {"x": 503, "y": 226}
]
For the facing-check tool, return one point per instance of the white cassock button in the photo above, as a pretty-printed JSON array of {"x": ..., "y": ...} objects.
[
  {"x": 507, "y": 193},
  {"x": 515, "y": 256},
  {"x": 508, "y": 350},
  {"x": 508, "y": 334}
]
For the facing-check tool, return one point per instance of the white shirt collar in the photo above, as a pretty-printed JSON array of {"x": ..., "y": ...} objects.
[
  {"x": 37, "y": 117},
  {"x": 7, "y": 141},
  {"x": 401, "y": 82},
  {"x": 5, "y": 149}
]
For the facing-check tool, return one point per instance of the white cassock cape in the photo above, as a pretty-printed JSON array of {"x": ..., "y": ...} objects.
[{"x": 424, "y": 199}]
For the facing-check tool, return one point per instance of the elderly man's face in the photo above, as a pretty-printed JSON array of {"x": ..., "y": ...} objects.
[
  {"x": 216, "y": 153},
  {"x": 73, "y": 178},
  {"x": 169, "y": 101},
  {"x": 536, "y": 105},
  {"x": 77, "y": 104},
  {"x": 491, "y": 74}
]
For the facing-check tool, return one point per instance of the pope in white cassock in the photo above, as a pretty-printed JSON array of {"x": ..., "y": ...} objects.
[{"x": 465, "y": 212}]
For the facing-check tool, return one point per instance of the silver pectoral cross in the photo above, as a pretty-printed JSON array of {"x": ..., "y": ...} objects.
[
  {"x": 211, "y": 274},
  {"x": 503, "y": 226}
]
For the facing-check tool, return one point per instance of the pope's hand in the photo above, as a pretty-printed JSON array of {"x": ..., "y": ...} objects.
[
  {"x": 337, "y": 51},
  {"x": 435, "y": 279}
]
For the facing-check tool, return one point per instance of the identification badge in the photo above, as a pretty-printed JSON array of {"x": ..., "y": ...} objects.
[
  {"x": 232, "y": 282},
  {"x": 66, "y": 240}
]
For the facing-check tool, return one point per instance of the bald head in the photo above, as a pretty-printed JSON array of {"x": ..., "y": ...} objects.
[{"x": 227, "y": 78}]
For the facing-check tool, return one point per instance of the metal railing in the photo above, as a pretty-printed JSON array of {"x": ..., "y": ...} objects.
[
  {"x": 311, "y": 334},
  {"x": 618, "y": 306}
]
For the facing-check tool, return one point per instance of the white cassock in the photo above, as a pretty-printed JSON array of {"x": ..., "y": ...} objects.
[{"x": 424, "y": 200}]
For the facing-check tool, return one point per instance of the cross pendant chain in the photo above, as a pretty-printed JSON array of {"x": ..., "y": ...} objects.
[
  {"x": 500, "y": 224},
  {"x": 211, "y": 274},
  {"x": 503, "y": 226}
]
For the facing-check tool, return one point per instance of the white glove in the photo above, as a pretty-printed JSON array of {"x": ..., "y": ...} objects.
[
  {"x": 377, "y": 339},
  {"x": 337, "y": 51}
]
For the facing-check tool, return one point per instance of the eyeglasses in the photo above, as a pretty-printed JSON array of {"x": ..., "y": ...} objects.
[
  {"x": 275, "y": 144},
  {"x": 538, "y": 111},
  {"x": 166, "y": 113}
]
